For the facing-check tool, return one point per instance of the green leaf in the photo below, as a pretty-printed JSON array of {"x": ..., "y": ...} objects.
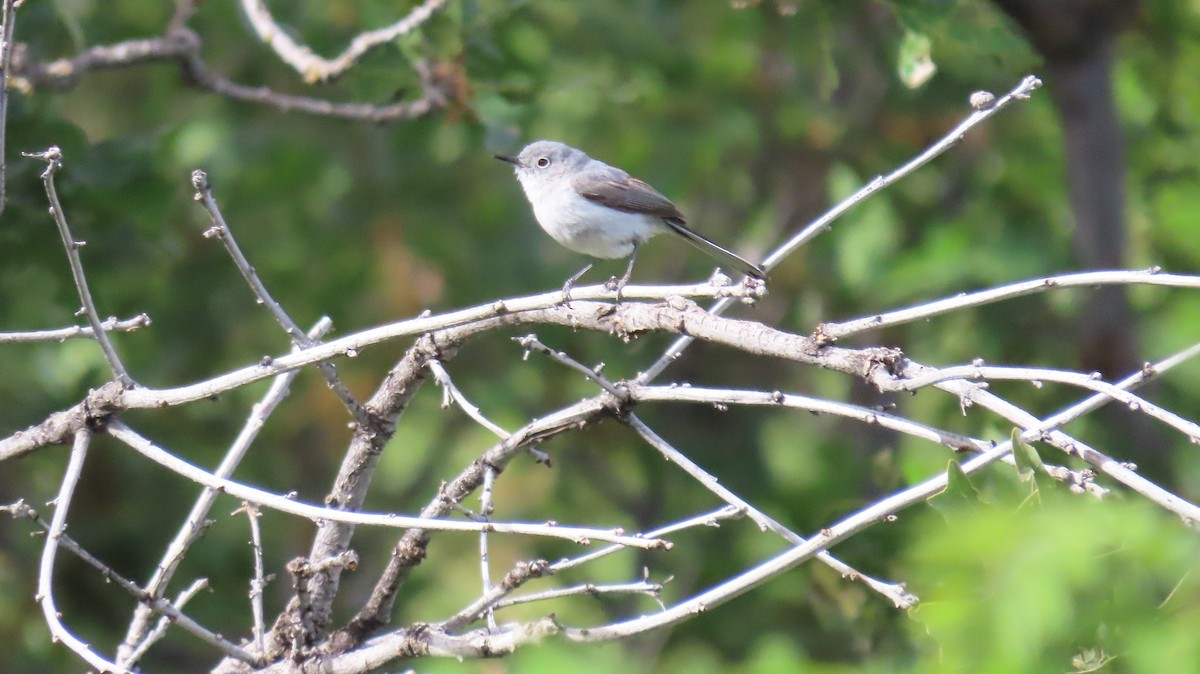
[
  {"x": 1028, "y": 460},
  {"x": 959, "y": 496},
  {"x": 958, "y": 485},
  {"x": 915, "y": 61},
  {"x": 1031, "y": 470}
]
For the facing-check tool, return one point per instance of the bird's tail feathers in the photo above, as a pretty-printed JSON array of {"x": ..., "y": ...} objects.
[{"x": 716, "y": 251}]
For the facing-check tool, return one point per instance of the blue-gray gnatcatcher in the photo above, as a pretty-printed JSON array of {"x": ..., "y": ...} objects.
[{"x": 599, "y": 210}]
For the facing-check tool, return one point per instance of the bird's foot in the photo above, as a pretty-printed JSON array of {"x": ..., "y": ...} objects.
[{"x": 616, "y": 284}]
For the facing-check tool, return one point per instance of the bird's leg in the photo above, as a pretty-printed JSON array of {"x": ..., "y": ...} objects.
[
  {"x": 619, "y": 284},
  {"x": 566, "y": 291}
]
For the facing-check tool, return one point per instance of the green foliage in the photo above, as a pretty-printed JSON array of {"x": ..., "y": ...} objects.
[
  {"x": 1066, "y": 584},
  {"x": 915, "y": 60}
]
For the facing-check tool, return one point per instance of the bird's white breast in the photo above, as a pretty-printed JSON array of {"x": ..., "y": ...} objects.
[{"x": 585, "y": 226}]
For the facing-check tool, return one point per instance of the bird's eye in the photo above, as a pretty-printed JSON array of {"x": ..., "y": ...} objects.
[{"x": 543, "y": 162}]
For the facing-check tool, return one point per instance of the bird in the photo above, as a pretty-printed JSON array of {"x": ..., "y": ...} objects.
[{"x": 601, "y": 211}]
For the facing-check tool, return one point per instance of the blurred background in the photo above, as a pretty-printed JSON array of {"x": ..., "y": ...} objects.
[{"x": 754, "y": 117}]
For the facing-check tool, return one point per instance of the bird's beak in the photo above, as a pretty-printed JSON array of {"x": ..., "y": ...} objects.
[{"x": 512, "y": 160}]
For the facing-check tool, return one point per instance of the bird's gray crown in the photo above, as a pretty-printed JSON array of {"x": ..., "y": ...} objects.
[{"x": 551, "y": 157}]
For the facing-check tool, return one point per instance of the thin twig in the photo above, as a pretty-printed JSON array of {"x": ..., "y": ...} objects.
[
  {"x": 953, "y": 137},
  {"x": 171, "y": 612},
  {"x": 181, "y": 45},
  {"x": 708, "y": 519},
  {"x": 196, "y": 522},
  {"x": 531, "y": 343},
  {"x": 258, "y": 583},
  {"x": 6, "y": 49},
  {"x": 1152, "y": 276},
  {"x": 53, "y": 159},
  {"x": 642, "y": 587},
  {"x": 62, "y": 74},
  {"x": 352, "y": 344},
  {"x": 111, "y": 324},
  {"x": 426, "y": 640},
  {"x": 1149, "y": 371},
  {"x": 184, "y": 9},
  {"x": 525, "y": 571},
  {"x": 822, "y": 224},
  {"x": 58, "y": 525},
  {"x": 160, "y": 628},
  {"x": 452, "y": 395},
  {"x": 432, "y": 97},
  {"x": 312, "y": 66},
  {"x": 486, "y": 510},
  {"x": 1038, "y": 375},
  {"x": 164, "y": 458},
  {"x": 866, "y": 415},
  {"x": 221, "y": 230},
  {"x": 973, "y": 394},
  {"x": 899, "y": 596},
  {"x": 880, "y": 511}
]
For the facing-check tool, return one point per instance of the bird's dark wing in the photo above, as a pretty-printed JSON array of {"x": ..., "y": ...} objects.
[
  {"x": 626, "y": 194},
  {"x": 634, "y": 196}
]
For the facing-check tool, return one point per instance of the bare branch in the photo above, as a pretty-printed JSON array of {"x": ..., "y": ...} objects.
[
  {"x": 222, "y": 231},
  {"x": 176, "y": 45},
  {"x": 531, "y": 343},
  {"x": 433, "y": 97},
  {"x": 877, "y": 512},
  {"x": 709, "y": 519},
  {"x": 518, "y": 311},
  {"x": 259, "y": 582},
  {"x": 452, "y": 394},
  {"x": 899, "y": 596},
  {"x": 1037, "y": 375},
  {"x": 867, "y": 415},
  {"x": 184, "y": 9},
  {"x": 171, "y": 613},
  {"x": 310, "y": 65},
  {"x": 486, "y": 509},
  {"x": 523, "y": 572},
  {"x": 111, "y": 324},
  {"x": 180, "y": 45},
  {"x": 953, "y": 137},
  {"x": 425, "y": 640},
  {"x": 1152, "y": 276},
  {"x": 583, "y": 536},
  {"x": 974, "y": 394},
  {"x": 9, "y": 12},
  {"x": 58, "y": 525},
  {"x": 642, "y": 587},
  {"x": 160, "y": 628},
  {"x": 53, "y": 159},
  {"x": 823, "y": 223},
  {"x": 893, "y": 591},
  {"x": 196, "y": 522},
  {"x": 60, "y": 427}
]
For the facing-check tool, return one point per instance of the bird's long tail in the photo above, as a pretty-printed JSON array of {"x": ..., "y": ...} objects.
[{"x": 715, "y": 251}]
